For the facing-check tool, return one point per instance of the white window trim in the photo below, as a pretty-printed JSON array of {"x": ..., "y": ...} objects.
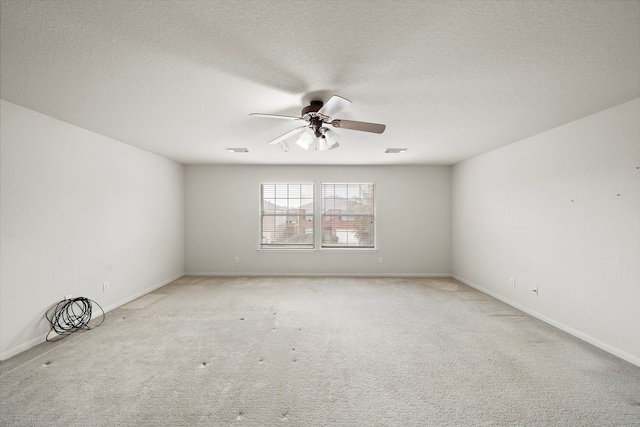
[
  {"x": 260, "y": 247},
  {"x": 319, "y": 229}
]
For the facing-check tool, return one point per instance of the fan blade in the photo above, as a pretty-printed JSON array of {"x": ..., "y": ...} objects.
[
  {"x": 275, "y": 116},
  {"x": 287, "y": 135},
  {"x": 363, "y": 126},
  {"x": 334, "y": 105}
]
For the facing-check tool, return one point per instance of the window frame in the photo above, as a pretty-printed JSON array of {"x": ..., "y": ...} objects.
[
  {"x": 311, "y": 246},
  {"x": 321, "y": 235}
]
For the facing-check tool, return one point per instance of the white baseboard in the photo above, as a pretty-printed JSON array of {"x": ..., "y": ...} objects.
[
  {"x": 236, "y": 274},
  {"x": 568, "y": 329},
  {"x": 38, "y": 340},
  {"x": 22, "y": 347},
  {"x": 141, "y": 293}
]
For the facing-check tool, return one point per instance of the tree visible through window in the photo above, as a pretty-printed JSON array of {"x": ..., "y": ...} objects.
[
  {"x": 286, "y": 216},
  {"x": 348, "y": 215}
]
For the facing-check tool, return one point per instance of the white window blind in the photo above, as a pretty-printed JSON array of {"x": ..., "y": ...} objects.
[
  {"x": 286, "y": 216},
  {"x": 348, "y": 215}
]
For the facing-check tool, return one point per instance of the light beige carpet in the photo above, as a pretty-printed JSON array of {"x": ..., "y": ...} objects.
[{"x": 319, "y": 352}]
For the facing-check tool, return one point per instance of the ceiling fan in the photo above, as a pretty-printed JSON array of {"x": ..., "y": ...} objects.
[{"x": 315, "y": 135}]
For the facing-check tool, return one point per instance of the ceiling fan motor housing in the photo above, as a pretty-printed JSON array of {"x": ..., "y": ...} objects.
[{"x": 313, "y": 108}]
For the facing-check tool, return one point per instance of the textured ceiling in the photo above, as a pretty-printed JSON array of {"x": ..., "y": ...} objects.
[{"x": 450, "y": 79}]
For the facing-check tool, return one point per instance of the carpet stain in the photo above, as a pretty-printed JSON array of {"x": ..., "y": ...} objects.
[
  {"x": 204, "y": 364},
  {"x": 635, "y": 404},
  {"x": 240, "y": 416},
  {"x": 48, "y": 362}
]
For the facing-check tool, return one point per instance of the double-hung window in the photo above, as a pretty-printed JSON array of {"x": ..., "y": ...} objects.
[
  {"x": 286, "y": 216},
  {"x": 348, "y": 215}
]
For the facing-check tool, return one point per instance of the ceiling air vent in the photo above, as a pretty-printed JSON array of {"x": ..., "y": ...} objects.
[{"x": 395, "y": 150}]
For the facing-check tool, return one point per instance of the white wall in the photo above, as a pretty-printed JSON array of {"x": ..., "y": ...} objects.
[
  {"x": 560, "y": 211},
  {"x": 79, "y": 209},
  {"x": 413, "y": 221}
]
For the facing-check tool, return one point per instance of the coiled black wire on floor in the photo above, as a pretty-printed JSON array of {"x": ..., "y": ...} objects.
[{"x": 71, "y": 315}]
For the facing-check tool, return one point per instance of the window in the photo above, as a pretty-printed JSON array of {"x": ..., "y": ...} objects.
[
  {"x": 348, "y": 215},
  {"x": 286, "y": 216}
]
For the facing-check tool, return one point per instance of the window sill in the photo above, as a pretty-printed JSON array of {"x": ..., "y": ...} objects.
[
  {"x": 348, "y": 250},
  {"x": 286, "y": 250},
  {"x": 309, "y": 250}
]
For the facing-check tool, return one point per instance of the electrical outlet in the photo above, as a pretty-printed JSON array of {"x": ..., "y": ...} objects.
[
  {"x": 512, "y": 282},
  {"x": 105, "y": 287},
  {"x": 380, "y": 260},
  {"x": 237, "y": 260},
  {"x": 535, "y": 290}
]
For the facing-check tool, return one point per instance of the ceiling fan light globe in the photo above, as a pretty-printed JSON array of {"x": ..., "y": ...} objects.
[
  {"x": 305, "y": 140},
  {"x": 322, "y": 144},
  {"x": 302, "y": 144},
  {"x": 331, "y": 138}
]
